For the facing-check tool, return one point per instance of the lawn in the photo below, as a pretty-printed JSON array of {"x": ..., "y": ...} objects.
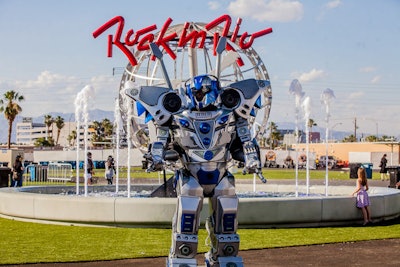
[
  {"x": 269, "y": 173},
  {"x": 26, "y": 242}
]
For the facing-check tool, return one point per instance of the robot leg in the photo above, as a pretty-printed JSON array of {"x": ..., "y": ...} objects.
[
  {"x": 186, "y": 224},
  {"x": 222, "y": 227}
]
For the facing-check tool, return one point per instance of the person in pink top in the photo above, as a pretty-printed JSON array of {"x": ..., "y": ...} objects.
[{"x": 362, "y": 195}]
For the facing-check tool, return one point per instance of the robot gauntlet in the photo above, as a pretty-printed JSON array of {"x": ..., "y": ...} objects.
[
  {"x": 155, "y": 157},
  {"x": 252, "y": 159}
]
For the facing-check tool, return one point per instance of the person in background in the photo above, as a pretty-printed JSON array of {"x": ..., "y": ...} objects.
[
  {"x": 110, "y": 169},
  {"x": 362, "y": 198},
  {"x": 383, "y": 170},
  {"x": 18, "y": 171},
  {"x": 90, "y": 168}
]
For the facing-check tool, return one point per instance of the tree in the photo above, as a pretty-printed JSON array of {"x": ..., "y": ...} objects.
[
  {"x": 9, "y": 106},
  {"x": 44, "y": 141},
  {"x": 371, "y": 138},
  {"x": 102, "y": 131},
  {"x": 72, "y": 138},
  {"x": 59, "y": 121},
  {"x": 311, "y": 123},
  {"x": 274, "y": 135},
  {"x": 349, "y": 139},
  {"x": 48, "y": 120}
]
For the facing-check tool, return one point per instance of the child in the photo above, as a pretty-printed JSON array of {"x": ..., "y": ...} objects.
[
  {"x": 362, "y": 195},
  {"x": 110, "y": 170}
]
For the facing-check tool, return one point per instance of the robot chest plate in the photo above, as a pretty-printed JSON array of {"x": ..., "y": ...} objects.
[{"x": 204, "y": 133}]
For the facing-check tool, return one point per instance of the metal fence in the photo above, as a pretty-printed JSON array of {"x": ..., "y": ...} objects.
[{"x": 53, "y": 172}]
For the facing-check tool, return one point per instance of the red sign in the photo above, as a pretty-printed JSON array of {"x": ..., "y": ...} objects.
[{"x": 143, "y": 37}]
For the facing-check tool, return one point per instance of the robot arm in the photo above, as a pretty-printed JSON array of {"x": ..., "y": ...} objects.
[
  {"x": 251, "y": 150},
  {"x": 156, "y": 152}
]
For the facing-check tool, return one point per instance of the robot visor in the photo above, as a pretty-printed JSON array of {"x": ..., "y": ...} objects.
[{"x": 200, "y": 93}]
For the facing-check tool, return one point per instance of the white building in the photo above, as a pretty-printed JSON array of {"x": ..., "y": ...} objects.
[{"x": 28, "y": 132}]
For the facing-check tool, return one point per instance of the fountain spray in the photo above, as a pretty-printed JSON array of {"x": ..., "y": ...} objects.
[
  {"x": 307, "y": 110},
  {"x": 326, "y": 98},
  {"x": 296, "y": 90},
  {"x": 82, "y": 116},
  {"x": 128, "y": 138},
  {"x": 117, "y": 122}
]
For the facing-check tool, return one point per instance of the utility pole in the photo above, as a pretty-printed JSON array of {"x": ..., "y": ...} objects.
[{"x": 355, "y": 128}]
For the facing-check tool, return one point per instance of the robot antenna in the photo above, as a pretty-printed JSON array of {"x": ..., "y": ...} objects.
[
  {"x": 158, "y": 54},
  {"x": 220, "y": 48}
]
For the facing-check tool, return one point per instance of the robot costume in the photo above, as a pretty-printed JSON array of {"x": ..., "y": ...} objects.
[{"x": 200, "y": 129}]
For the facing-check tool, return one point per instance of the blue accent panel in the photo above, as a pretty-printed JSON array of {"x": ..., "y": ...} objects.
[
  {"x": 187, "y": 223},
  {"x": 206, "y": 141},
  {"x": 148, "y": 118},
  {"x": 223, "y": 119},
  {"x": 140, "y": 108},
  {"x": 206, "y": 177},
  {"x": 252, "y": 112},
  {"x": 204, "y": 127},
  {"x": 184, "y": 123},
  {"x": 229, "y": 222},
  {"x": 208, "y": 155},
  {"x": 258, "y": 102}
]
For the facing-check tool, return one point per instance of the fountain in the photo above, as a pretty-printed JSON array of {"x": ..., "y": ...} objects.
[
  {"x": 82, "y": 116},
  {"x": 326, "y": 98},
  {"x": 307, "y": 110},
  {"x": 296, "y": 89},
  {"x": 45, "y": 203}
]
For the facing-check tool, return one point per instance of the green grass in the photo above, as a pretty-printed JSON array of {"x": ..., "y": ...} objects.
[
  {"x": 271, "y": 173},
  {"x": 34, "y": 243},
  {"x": 25, "y": 242}
]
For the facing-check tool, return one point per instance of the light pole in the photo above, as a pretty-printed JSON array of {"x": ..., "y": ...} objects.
[{"x": 336, "y": 124}]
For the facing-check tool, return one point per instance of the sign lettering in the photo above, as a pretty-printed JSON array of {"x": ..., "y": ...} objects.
[{"x": 141, "y": 39}]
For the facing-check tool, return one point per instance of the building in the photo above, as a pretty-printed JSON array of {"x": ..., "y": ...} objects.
[{"x": 27, "y": 132}]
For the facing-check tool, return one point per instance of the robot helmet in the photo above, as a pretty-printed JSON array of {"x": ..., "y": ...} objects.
[{"x": 203, "y": 91}]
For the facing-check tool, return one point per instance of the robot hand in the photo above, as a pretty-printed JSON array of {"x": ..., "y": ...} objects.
[
  {"x": 256, "y": 171},
  {"x": 155, "y": 157},
  {"x": 253, "y": 164}
]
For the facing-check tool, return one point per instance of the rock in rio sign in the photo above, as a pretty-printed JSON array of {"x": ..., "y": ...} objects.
[{"x": 142, "y": 38}]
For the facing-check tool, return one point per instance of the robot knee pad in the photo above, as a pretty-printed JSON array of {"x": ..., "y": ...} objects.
[{"x": 226, "y": 214}]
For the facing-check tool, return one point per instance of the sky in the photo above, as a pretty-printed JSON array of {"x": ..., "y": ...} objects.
[{"x": 48, "y": 53}]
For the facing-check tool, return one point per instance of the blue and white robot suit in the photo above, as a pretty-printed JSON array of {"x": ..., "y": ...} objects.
[{"x": 207, "y": 133}]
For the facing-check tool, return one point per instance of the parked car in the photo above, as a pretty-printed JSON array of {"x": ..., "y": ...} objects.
[{"x": 332, "y": 162}]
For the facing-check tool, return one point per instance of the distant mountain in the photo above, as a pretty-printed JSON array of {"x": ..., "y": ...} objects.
[
  {"x": 336, "y": 135},
  {"x": 94, "y": 115},
  {"x": 98, "y": 115}
]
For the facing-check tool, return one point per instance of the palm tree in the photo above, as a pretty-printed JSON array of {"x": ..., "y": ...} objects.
[
  {"x": 102, "y": 131},
  {"x": 349, "y": 139},
  {"x": 274, "y": 135},
  {"x": 310, "y": 124},
  {"x": 9, "y": 105},
  {"x": 72, "y": 138},
  {"x": 59, "y": 121},
  {"x": 48, "y": 120}
]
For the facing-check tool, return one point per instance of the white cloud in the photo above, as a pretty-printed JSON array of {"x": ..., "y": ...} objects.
[
  {"x": 376, "y": 79},
  {"x": 312, "y": 75},
  {"x": 51, "y": 92},
  {"x": 333, "y": 4},
  {"x": 263, "y": 10},
  {"x": 367, "y": 69},
  {"x": 213, "y": 5},
  {"x": 356, "y": 95}
]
